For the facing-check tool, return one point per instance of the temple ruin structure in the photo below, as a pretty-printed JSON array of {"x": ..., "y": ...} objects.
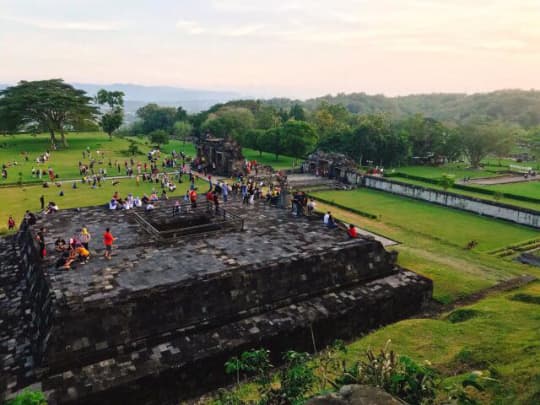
[{"x": 182, "y": 295}]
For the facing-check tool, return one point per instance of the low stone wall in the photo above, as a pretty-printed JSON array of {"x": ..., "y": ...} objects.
[
  {"x": 506, "y": 212},
  {"x": 189, "y": 363}
]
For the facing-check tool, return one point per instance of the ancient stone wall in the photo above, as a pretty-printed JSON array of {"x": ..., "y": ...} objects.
[{"x": 91, "y": 329}]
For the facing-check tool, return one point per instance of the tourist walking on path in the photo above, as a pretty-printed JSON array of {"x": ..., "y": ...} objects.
[
  {"x": 85, "y": 238},
  {"x": 108, "y": 240}
]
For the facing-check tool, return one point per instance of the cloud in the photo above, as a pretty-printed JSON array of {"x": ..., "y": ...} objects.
[
  {"x": 196, "y": 28},
  {"x": 49, "y": 24},
  {"x": 190, "y": 27}
]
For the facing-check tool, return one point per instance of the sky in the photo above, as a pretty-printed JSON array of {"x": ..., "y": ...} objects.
[{"x": 296, "y": 48}]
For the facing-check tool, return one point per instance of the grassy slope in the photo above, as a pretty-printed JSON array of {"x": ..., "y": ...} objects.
[
  {"x": 504, "y": 338},
  {"x": 63, "y": 162},
  {"x": 456, "y": 272},
  {"x": 529, "y": 189},
  {"x": 458, "y": 170},
  {"x": 448, "y": 225}
]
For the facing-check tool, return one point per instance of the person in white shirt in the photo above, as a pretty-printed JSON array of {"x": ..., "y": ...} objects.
[{"x": 326, "y": 218}]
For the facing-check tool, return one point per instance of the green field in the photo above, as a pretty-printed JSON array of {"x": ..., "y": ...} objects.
[
  {"x": 502, "y": 341},
  {"x": 64, "y": 162},
  {"x": 447, "y": 225},
  {"x": 528, "y": 189},
  {"x": 459, "y": 170}
]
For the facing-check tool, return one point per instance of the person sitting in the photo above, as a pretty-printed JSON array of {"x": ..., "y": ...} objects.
[
  {"x": 52, "y": 207},
  {"x": 172, "y": 187},
  {"x": 137, "y": 202},
  {"x": 145, "y": 199},
  {"x": 30, "y": 218},
  {"x": 352, "y": 232},
  {"x": 64, "y": 262},
  {"x": 154, "y": 197},
  {"x": 60, "y": 245},
  {"x": 150, "y": 206},
  {"x": 116, "y": 196},
  {"x": 176, "y": 208},
  {"x": 326, "y": 218},
  {"x": 83, "y": 254},
  {"x": 113, "y": 205},
  {"x": 311, "y": 206}
]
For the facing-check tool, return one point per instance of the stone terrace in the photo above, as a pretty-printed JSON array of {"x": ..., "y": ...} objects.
[
  {"x": 140, "y": 261},
  {"x": 167, "y": 313}
]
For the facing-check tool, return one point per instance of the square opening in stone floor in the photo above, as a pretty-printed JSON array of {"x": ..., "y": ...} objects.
[{"x": 185, "y": 220}]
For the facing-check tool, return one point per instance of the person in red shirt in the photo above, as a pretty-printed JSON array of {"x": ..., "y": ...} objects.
[
  {"x": 352, "y": 232},
  {"x": 11, "y": 223},
  {"x": 193, "y": 198},
  {"x": 108, "y": 240}
]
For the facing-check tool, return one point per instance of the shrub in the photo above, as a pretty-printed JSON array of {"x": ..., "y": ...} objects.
[{"x": 28, "y": 397}]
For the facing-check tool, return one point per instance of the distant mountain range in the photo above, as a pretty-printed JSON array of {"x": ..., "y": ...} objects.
[{"x": 137, "y": 96}]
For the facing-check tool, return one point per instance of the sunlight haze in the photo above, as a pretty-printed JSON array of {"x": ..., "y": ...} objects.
[{"x": 297, "y": 48}]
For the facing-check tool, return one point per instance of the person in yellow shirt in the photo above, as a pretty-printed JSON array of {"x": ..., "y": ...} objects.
[{"x": 83, "y": 254}]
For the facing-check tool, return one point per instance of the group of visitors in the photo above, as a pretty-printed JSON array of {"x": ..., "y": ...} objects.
[{"x": 76, "y": 250}]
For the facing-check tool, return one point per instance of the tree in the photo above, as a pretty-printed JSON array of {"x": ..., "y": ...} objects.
[
  {"x": 272, "y": 141},
  {"x": 112, "y": 119},
  {"x": 254, "y": 139},
  {"x": 159, "y": 137},
  {"x": 231, "y": 122},
  {"x": 297, "y": 112},
  {"x": 155, "y": 117},
  {"x": 481, "y": 139},
  {"x": 299, "y": 138},
  {"x": 182, "y": 130},
  {"x": 52, "y": 104}
]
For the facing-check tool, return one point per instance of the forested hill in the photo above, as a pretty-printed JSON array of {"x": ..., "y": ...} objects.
[{"x": 511, "y": 106}]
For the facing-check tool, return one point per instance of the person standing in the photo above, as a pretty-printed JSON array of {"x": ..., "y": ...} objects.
[
  {"x": 41, "y": 241},
  {"x": 85, "y": 238},
  {"x": 42, "y": 202},
  {"x": 108, "y": 240},
  {"x": 11, "y": 223}
]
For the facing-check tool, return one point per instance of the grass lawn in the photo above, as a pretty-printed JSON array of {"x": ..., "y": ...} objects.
[
  {"x": 526, "y": 190},
  {"x": 433, "y": 239},
  {"x": 529, "y": 189},
  {"x": 63, "y": 161},
  {"x": 459, "y": 170},
  {"x": 283, "y": 162},
  {"x": 447, "y": 225},
  {"x": 503, "y": 339},
  {"x": 17, "y": 200}
]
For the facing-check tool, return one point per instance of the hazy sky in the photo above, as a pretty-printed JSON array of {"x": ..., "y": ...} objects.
[{"x": 295, "y": 48}]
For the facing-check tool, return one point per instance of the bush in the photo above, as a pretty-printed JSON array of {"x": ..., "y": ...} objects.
[
  {"x": 462, "y": 315},
  {"x": 28, "y": 397}
]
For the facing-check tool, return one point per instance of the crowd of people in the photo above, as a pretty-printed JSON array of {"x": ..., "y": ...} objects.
[{"x": 74, "y": 251}]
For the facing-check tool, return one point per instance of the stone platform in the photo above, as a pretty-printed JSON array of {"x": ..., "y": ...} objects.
[{"x": 167, "y": 313}]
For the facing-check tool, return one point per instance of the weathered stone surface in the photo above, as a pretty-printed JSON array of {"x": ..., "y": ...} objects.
[
  {"x": 357, "y": 395},
  {"x": 108, "y": 330}
]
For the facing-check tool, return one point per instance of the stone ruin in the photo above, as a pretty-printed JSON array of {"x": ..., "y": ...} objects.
[
  {"x": 155, "y": 324},
  {"x": 220, "y": 156},
  {"x": 332, "y": 165}
]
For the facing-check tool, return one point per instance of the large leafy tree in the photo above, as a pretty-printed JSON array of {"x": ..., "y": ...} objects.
[
  {"x": 299, "y": 138},
  {"x": 479, "y": 139},
  {"x": 232, "y": 122},
  {"x": 112, "y": 119},
  {"x": 155, "y": 117},
  {"x": 50, "y": 104}
]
